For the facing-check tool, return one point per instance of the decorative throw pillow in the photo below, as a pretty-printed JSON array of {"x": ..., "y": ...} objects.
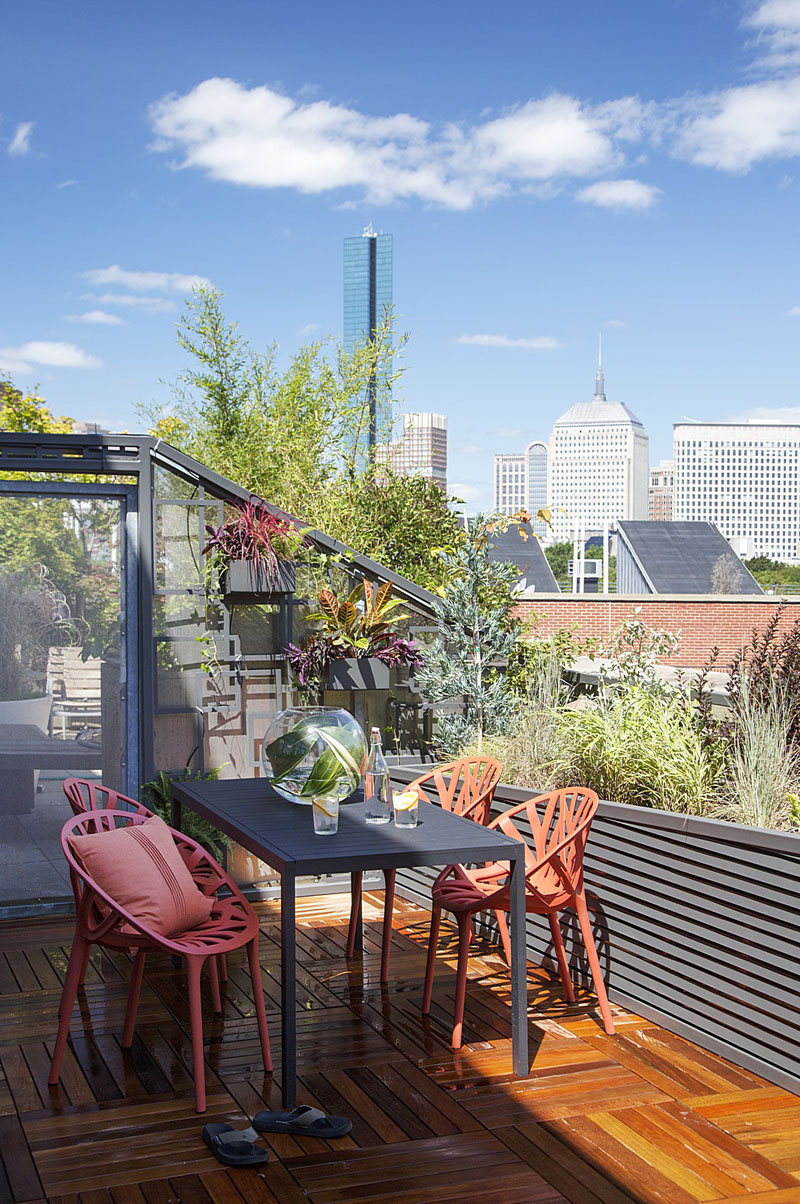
[{"x": 140, "y": 868}]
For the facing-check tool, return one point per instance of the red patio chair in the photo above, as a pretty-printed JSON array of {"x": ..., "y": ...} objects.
[
  {"x": 84, "y": 795},
  {"x": 559, "y": 824},
  {"x": 101, "y": 920},
  {"x": 466, "y": 787}
]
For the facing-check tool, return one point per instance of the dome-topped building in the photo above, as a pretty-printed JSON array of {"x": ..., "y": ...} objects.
[{"x": 598, "y": 465}]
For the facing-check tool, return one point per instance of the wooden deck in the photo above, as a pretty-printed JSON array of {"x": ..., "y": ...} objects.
[{"x": 640, "y": 1117}]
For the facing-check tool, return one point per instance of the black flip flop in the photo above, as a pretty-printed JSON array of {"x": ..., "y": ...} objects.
[
  {"x": 234, "y": 1147},
  {"x": 302, "y": 1122}
]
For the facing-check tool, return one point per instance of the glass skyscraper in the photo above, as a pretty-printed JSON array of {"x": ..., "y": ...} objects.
[{"x": 367, "y": 297}]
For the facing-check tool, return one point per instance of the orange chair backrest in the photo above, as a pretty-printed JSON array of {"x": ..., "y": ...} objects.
[
  {"x": 559, "y": 824},
  {"x": 84, "y": 795},
  {"x": 466, "y": 786}
]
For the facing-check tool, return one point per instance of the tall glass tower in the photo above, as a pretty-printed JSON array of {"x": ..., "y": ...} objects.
[{"x": 367, "y": 297}]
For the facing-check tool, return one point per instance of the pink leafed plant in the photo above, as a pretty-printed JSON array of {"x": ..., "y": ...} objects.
[{"x": 254, "y": 533}]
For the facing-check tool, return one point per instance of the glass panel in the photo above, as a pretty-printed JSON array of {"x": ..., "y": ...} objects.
[{"x": 61, "y": 687}]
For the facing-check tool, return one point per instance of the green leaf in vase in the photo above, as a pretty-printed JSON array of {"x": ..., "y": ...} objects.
[
  {"x": 287, "y": 751},
  {"x": 324, "y": 777}
]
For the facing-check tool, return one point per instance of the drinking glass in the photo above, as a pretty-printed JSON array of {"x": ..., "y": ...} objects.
[
  {"x": 326, "y": 814},
  {"x": 406, "y": 810}
]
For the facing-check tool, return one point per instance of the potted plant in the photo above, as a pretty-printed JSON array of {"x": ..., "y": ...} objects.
[
  {"x": 31, "y": 619},
  {"x": 356, "y": 647},
  {"x": 252, "y": 553}
]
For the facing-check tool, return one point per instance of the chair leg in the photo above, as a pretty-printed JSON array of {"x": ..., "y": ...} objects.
[
  {"x": 84, "y": 966},
  {"x": 430, "y": 965},
  {"x": 464, "y": 941},
  {"x": 355, "y": 907},
  {"x": 258, "y": 998},
  {"x": 502, "y": 927},
  {"x": 388, "y": 912},
  {"x": 561, "y": 956},
  {"x": 77, "y": 953},
  {"x": 137, "y": 971},
  {"x": 194, "y": 968},
  {"x": 594, "y": 963},
  {"x": 222, "y": 966},
  {"x": 213, "y": 982}
]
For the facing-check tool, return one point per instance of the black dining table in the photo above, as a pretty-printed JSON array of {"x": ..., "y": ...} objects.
[{"x": 281, "y": 834}]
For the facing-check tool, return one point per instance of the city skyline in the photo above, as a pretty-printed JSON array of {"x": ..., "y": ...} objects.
[{"x": 533, "y": 199}]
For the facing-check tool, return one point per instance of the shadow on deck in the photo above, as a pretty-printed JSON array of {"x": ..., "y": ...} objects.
[{"x": 643, "y": 1116}]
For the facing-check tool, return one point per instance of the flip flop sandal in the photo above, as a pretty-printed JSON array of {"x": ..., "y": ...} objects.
[
  {"x": 234, "y": 1147},
  {"x": 302, "y": 1122}
]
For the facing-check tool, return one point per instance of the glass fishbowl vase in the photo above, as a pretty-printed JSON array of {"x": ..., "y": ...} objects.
[{"x": 310, "y": 751}]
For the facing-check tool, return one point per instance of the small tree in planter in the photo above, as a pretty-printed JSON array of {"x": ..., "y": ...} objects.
[
  {"x": 477, "y": 635},
  {"x": 356, "y": 647}
]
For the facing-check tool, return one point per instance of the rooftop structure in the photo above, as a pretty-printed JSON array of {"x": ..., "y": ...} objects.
[
  {"x": 745, "y": 478},
  {"x": 678, "y": 558},
  {"x": 518, "y": 545}
]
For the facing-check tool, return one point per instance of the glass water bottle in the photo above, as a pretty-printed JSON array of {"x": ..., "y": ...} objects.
[{"x": 377, "y": 788}]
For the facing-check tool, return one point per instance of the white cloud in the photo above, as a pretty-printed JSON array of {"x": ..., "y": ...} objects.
[
  {"x": 777, "y": 44},
  {"x": 768, "y": 414},
  {"x": 153, "y": 305},
  {"x": 735, "y": 129},
  {"x": 469, "y": 494},
  {"x": 67, "y": 184},
  {"x": 794, "y": 312},
  {"x": 97, "y": 317},
  {"x": 542, "y": 343},
  {"x": 20, "y": 144},
  {"x": 614, "y": 322},
  {"x": 620, "y": 194},
  {"x": 308, "y": 329},
  {"x": 51, "y": 355},
  {"x": 172, "y": 282},
  {"x": 260, "y": 138}
]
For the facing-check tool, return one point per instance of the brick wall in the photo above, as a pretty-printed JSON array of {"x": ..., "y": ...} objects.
[{"x": 701, "y": 621}]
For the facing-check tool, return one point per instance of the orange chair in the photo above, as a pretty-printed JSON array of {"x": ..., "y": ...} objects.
[
  {"x": 559, "y": 824},
  {"x": 466, "y": 787},
  {"x": 101, "y": 920}
]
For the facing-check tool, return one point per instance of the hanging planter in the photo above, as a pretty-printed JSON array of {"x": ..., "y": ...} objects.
[
  {"x": 251, "y": 556},
  {"x": 356, "y": 647},
  {"x": 251, "y": 577},
  {"x": 357, "y": 673}
]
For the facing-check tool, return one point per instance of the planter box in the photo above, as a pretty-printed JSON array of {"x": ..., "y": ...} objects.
[
  {"x": 357, "y": 673},
  {"x": 246, "y": 579},
  {"x": 697, "y": 925}
]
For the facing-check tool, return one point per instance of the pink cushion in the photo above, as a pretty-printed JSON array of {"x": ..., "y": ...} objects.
[{"x": 140, "y": 868}]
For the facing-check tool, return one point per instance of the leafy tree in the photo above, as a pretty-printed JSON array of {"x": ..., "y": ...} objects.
[
  {"x": 296, "y": 438},
  {"x": 476, "y": 636},
  {"x": 28, "y": 412}
]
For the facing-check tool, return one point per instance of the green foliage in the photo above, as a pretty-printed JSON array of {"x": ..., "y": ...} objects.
[
  {"x": 157, "y": 795},
  {"x": 476, "y": 636},
  {"x": 362, "y": 621},
  {"x": 28, "y": 412},
  {"x": 558, "y": 557},
  {"x": 296, "y": 438},
  {"x": 773, "y": 572}
]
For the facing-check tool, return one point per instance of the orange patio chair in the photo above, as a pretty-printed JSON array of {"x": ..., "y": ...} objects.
[
  {"x": 559, "y": 824},
  {"x": 466, "y": 787},
  {"x": 231, "y": 924}
]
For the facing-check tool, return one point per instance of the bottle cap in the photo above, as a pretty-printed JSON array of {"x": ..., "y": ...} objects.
[{"x": 375, "y": 731}]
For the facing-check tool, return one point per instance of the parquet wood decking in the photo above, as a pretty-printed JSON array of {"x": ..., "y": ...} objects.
[{"x": 641, "y": 1117}]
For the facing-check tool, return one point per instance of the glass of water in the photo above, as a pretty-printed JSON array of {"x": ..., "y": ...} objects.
[
  {"x": 326, "y": 814},
  {"x": 406, "y": 809}
]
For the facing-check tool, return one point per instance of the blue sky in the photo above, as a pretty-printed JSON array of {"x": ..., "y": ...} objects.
[{"x": 548, "y": 170}]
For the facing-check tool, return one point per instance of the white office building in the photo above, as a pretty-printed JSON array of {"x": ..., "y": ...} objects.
[
  {"x": 520, "y": 482},
  {"x": 745, "y": 478},
  {"x": 598, "y": 466}
]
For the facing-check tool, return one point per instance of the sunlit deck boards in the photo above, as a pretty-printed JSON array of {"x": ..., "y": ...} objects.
[{"x": 641, "y": 1117}]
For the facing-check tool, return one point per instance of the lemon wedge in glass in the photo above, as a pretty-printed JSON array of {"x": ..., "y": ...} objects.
[
  {"x": 406, "y": 800},
  {"x": 327, "y": 806}
]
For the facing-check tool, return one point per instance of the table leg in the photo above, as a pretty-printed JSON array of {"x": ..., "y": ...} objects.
[
  {"x": 355, "y": 893},
  {"x": 175, "y": 813},
  {"x": 18, "y": 796},
  {"x": 519, "y": 970},
  {"x": 288, "y": 991}
]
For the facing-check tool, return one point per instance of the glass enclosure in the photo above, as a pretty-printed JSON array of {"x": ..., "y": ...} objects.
[{"x": 121, "y": 656}]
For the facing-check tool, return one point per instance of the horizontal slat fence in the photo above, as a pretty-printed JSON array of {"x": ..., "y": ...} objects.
[{"x": 697, "y": 924}]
